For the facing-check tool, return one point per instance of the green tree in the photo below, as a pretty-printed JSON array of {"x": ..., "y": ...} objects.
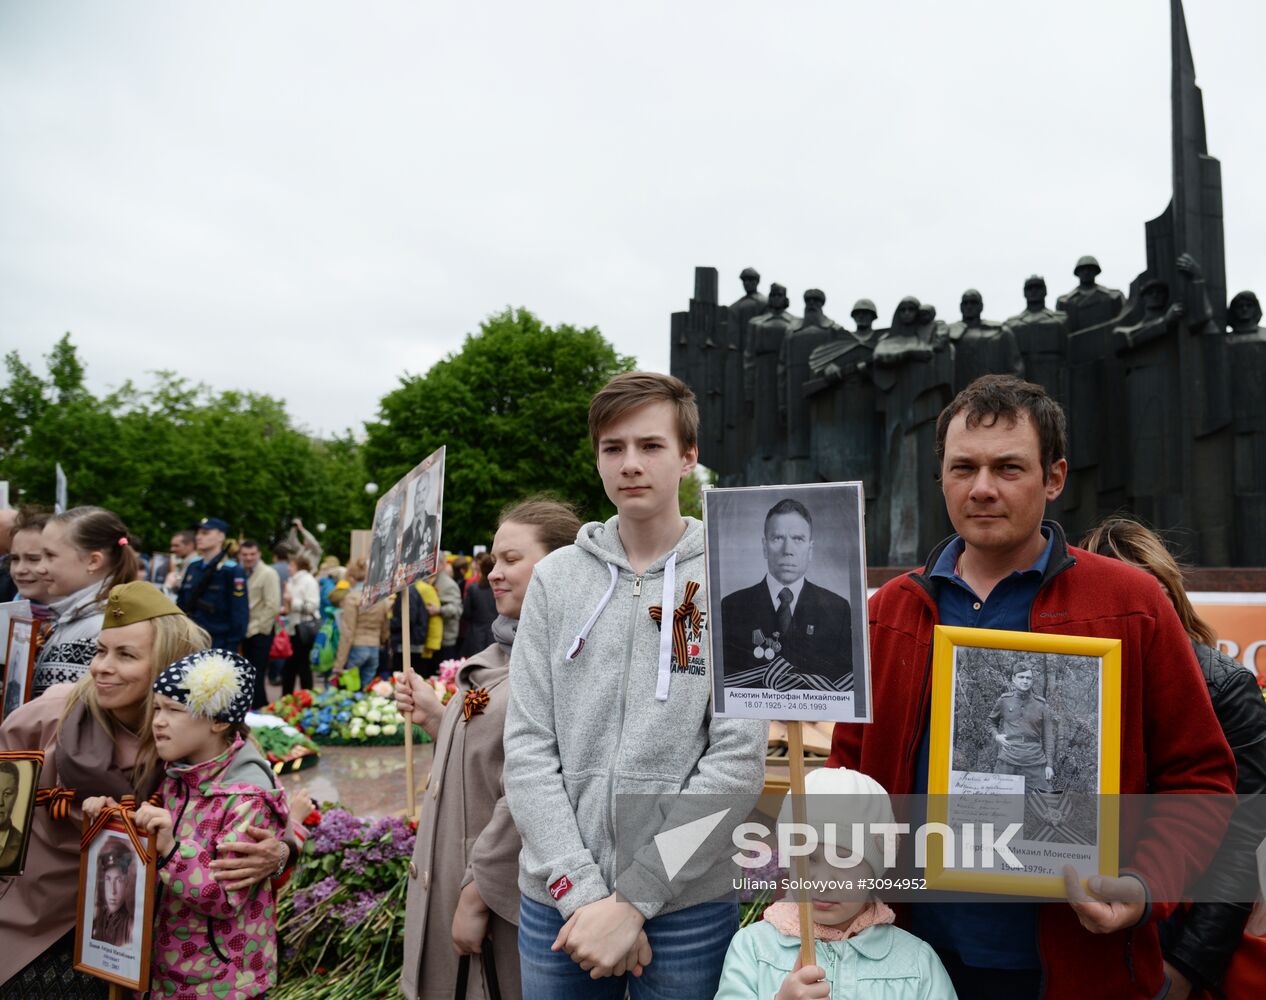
[
  {"x": 165, "y": 456},
  {"x": 512, "y": 407}
]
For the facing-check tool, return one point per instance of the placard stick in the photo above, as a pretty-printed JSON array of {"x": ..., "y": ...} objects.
[
  {"x": 799, "y": 867},
  {"x": 116, "y": 991},
  {"x": 411, "y": 796}
]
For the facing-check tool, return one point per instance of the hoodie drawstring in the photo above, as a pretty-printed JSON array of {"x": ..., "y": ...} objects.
[
  {"x": 666, "y": 629},
  {"x": 579, "y": 642}
]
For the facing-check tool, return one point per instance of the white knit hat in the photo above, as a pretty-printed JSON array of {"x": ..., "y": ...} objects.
[{"x": 853, "y": 798}]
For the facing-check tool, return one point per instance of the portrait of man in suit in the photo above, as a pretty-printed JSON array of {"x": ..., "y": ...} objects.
[
  {"x": 10, "y": 832},
  {"x": 785, "y": 632},
  {"x": 419, "y": 532},
  {"x": 382, "y": 554}
]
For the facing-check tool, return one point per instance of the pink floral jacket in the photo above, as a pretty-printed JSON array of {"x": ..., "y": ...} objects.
[{"x": 210, "y": 941}]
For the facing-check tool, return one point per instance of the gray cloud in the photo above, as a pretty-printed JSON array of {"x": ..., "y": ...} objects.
[{"x": 309, "y": 199}]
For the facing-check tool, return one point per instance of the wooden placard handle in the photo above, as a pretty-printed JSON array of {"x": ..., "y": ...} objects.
[
  {"x": 411, "y": 795},
  {"x": 799, "y": 867}
]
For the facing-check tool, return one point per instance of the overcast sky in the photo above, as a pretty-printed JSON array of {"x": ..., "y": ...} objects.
[{"x": 311, "y": 198}]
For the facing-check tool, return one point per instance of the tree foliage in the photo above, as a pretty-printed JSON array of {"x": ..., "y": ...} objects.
[
  {"x": 165, "y": 456},
  {"x": 512, "y": 407}
]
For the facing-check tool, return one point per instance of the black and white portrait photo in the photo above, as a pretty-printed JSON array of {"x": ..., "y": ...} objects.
[
  {"x": 383, "y": 549},
  {"x": 420, "y": 541},
  {"x": 19, "y": 774},
  {"x": 114, "y": 929},
  {"x": 788, "y": 566},
  {"x": 406, "y": 530},
  {"x": 1027, "y": 724}
]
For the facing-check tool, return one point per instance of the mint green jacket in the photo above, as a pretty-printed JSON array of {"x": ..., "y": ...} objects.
[{"x": 881, "y": 963}]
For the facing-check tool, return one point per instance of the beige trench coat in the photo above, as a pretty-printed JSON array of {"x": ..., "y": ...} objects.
[
  {"x": 39, "y": 906},
  {"x": 465, "y": 833}
]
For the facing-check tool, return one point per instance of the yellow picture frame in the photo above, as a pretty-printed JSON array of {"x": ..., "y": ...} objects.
[{"x": 946, "y": 641}]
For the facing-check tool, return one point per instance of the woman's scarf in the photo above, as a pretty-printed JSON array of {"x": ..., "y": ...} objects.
[
  {"x": 85, "y": 759},
  {"x": 503, "y": 630}
]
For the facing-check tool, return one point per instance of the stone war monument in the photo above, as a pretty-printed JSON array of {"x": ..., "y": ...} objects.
[{"x": 1145, "y": 376}]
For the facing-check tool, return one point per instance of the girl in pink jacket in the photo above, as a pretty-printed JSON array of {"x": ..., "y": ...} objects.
[{"x": 209, "y": 941}]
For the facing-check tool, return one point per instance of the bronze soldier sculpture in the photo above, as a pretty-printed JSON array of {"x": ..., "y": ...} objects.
[
  {"x": 761, "y": 350},
  {"x": 742, "y": 310},
  {"x": 803, "y": 337},
  {"x": 1247, "y": 349},
  {"x": 981, "y": 346}
]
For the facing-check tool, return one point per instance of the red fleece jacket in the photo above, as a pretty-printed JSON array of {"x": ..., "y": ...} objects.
[{"x": 1170, "y": 743}]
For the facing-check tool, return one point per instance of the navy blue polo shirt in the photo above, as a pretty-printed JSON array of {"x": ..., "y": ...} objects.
[{"x": 985, "y": 935}]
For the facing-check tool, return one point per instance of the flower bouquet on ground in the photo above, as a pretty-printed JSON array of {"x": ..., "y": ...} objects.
[
  {"x": 341, "y": 918},
  {"x": 287, "y": 749},
  {"x": 336, "y": 717}
]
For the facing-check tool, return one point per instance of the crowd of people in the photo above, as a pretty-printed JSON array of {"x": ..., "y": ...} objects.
[{"x": 572, "y": 693}]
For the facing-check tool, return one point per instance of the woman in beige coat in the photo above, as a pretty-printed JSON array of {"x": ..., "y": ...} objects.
[{"x": 463, "y": 880}]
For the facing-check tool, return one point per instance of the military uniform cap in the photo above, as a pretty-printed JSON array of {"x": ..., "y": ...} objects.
[
  {"x": 866, "y": 304},
  {"x": 1037, "y": 279},
  {"x": 216, "y": 523},
  {"x": 134, "y": 602},
  {"x": 1087, "y": 261},
  {"x": 749, "y": 272}
]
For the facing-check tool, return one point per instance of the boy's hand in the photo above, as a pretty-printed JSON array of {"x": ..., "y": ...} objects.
[
  {"x": 156, "y": 820},
  {"x": 636, "y": 961},
  {"x": 600, "y": 936},
  {"x": 94, "y": 806},
  {"x": 470, "y": 921},
  {"x": 805, "y": 983}
]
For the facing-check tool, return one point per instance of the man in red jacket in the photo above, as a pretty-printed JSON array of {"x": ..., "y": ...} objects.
[{"x": 1001, "y": 446}]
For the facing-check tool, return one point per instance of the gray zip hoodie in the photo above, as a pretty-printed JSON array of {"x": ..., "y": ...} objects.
[{"x": 601, "y": 703}]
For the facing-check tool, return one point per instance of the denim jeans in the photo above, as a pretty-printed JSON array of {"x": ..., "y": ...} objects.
[
  {"x": 687, "y": 952},
  {"x": 364, "y": 660}
]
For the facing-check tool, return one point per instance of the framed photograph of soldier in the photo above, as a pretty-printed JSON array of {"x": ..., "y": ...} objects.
[
  {"x": 786, "y": 569},
  {"x": 19, "y": 779},
  {"x": 113, "y": 932},
  {"x": 8, "y": 611},
  {"x": 18, "y": 673},
  {"x": 1026, "y": 736},
  {"x": 405, "y": 542}
]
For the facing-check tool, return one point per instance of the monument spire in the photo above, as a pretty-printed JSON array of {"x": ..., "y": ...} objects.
[{"x": 1193, "y": 221}]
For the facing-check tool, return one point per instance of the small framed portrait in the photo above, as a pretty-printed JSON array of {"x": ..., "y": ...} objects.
[
  {"x": 1025, "y": 737},
  {"x": 113, "y": 934},
  {"x": 19, "y": 778},
  {"x": 786, "y": 569},
  {"x": 18, "y": 672},
  {"x": 8, "y": 611}
]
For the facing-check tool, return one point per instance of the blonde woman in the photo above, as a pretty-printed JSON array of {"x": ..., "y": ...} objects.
[{"x": 96, "y": 739}]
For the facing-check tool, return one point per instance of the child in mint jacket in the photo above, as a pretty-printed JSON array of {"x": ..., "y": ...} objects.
[{"x": 860, "y": 952}]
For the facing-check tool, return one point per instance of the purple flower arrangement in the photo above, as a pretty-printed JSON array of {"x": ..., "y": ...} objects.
[{"x": 342, "y": 916}]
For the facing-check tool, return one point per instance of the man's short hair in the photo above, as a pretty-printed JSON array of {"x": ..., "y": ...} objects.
[
  {"x": 1005, "y": 397},
  {"x": 247, "y": 543},
  {"x": 281, "y": 551},
  {"x": 789, "y": 506},
  {"x": 11, "y": 769},
  {"x": 631, "y": 390},
  {"x": 186, "y": 535}
]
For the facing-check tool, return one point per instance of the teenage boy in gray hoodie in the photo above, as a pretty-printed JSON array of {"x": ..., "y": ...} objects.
[{"x": 604, "y": 702}]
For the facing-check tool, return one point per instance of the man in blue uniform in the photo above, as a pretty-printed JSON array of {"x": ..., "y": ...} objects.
[{"x": 213, "y": 592}]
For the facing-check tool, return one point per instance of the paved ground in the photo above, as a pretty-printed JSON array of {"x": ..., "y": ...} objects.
[{"x": 366, "y": 781}]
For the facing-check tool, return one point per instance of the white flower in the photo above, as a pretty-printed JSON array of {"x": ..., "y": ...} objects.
[
  {"x": 213, "y": 683},
  {"x": 372, "y": 730},
  {"x": 389, "y": 730}
]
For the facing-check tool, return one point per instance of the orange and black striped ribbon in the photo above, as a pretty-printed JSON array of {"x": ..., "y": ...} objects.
[
  {"x": 474, "y": 703},
  {"x": 57, "y": 800},
  {"x": 123, "y": 812},
  {"x": 685, "y": 612}
]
